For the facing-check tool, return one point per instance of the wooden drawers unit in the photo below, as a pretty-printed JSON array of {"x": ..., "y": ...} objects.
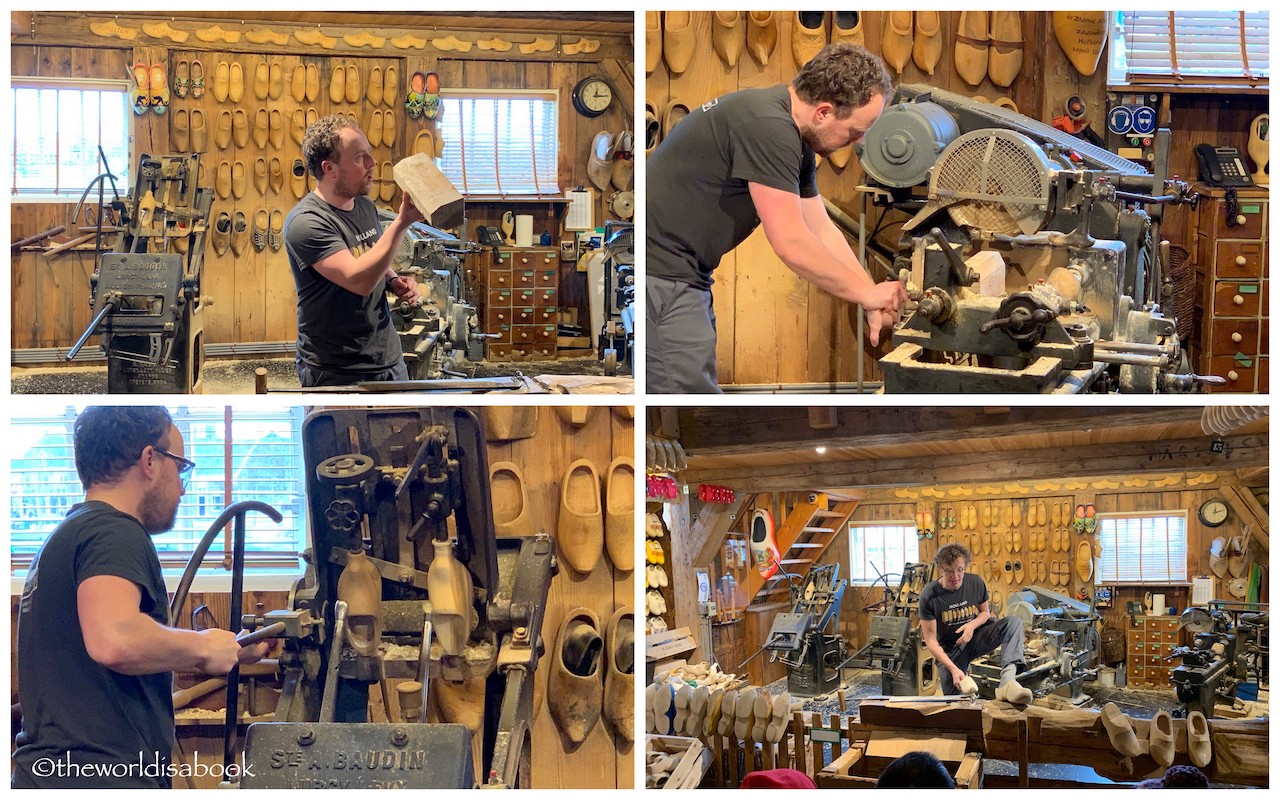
[
  {"x": 1232, "y": 265},
  {"x": 1150, "y": 640},
  {"x": 522, "y": 308}
]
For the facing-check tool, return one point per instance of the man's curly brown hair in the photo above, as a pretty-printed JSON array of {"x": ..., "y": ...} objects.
[
  {"x": 949, "y": 554},
  {"x": 845, "y": 75},
  {"x": 321, "y": 141}
]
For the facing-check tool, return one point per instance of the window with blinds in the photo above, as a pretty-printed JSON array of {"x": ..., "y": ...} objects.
[
  {"x": 1194, "y": 46},
  {"x": 253, "y": 455},
  {"x": 501, "y": 144},
  {"x": 882, "y": 548},
  {"x": 58, "y": 127},
  {"x": 1142, "y": 548}
]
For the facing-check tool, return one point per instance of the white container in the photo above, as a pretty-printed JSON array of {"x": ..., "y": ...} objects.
[{"x": 524, "y": 230}]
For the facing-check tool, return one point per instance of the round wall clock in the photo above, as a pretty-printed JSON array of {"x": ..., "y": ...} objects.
[
  {"x": 1213, "y": 513},
  {"x": 592, "y": 96}
]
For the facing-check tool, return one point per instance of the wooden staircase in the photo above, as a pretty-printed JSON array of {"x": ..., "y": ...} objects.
[{"x": 803, "y": 538}]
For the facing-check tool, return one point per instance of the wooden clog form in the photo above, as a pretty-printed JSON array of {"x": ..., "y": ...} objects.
[
  {"x": 808, "y": 35},
  {"x": 577, "y": 416},
  {"x": 575, "y": 691},
  {"x": 728, "y": 35},
  {"x": 972, "y": 45},
  {"x": 1259, "y": 148},
  {"x": 619, "y": 517},
  {"x": 896, "y": 39},
  {"x": 1084, "y": 561},
  {"x": 505, "y": 423},
  {"x": 762, "y": 35},
  {"x": 511, "y": 515},
  {"x": 678, "y": 40},
  {"x": 1082, "y": 35},
  {"x": 619, "y": 673},
  {"x": 1004, "y": 62},
  {"x": 580, "y": 528},
  {"x": 846, "y": 26},
  {"x": 360, "y": 586},
  {"x": 652, "y": 40},
  {"x": 926, "y": 50},
  {"x": 449, "y": 587}
]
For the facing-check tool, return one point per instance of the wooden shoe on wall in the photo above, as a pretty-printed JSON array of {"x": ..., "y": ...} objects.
[
  {"x": 580, "y": 528},
  {"x": 896, "y": 39},
  {"x": 846, "y": 26},
  {"x": 511, "y": 516},
  {"x": 506, "y": 423},
  {"x": 619, "y": 518},
  {"x": 762, "y": 35},
  {"x": 575, "y": 691},
  {"x": 728, "y": 35},
  {"x": 808, "y": 35},
  {"x": 652, "y": 40},
  {"x": 1082, "y": 35},
  {"x": 619, "y": 673},
  {"x": 972, "y": 45},
  {"x": 926, "y": 50},
  {"x": 678, "y": 40},
  {"x": 1004, "y": 62}
]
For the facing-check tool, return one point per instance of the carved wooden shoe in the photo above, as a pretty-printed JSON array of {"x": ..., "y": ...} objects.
[
  {"x": 1084, "y": 561},
  {"x": 511, "y": 515},
  {"x": 743, "y": 713},
  {"x": 779, "y": 716},
  {"x": 619, "y": 674},
  {"x": 808, "y": 35},
  {"x": 652, "y": 40},
  {"x": 728, "y": 35},
  {"x": 728, "y": 717},
  {"x": 684, "y": 693},
  {"x": 760, "y": 714},
  {"x": 715, "y": 704},
  {"x": 1218, "y": 557},
  {"x": 896, "y": 39},
  {"x": 1004, "y": 62},
  {"x": 1014, "y": 692},
  {"x": 1082, "y": 36},
  {"x": 505, "y": 423},
  {"x": 846, "y": 26},
  {"x": 360, "y": 586},
  {"x": 678, "y": 40},
  {"x": 972, "y": 44},
  {"x": 619, "y": 517},
  {"x": 580, "y": 529},
  {"x": 968, "y": 686},
  {"x": 762, "y": 35},
  {"x": 926, "y": 50},
  {"x": 1120, "y": 729},
  {"x": 1161, "y": 738},
  {"x": 450, "y": 589},
  {"x": 575, "y": 690},
  {"x": 1199, "y": 748}
]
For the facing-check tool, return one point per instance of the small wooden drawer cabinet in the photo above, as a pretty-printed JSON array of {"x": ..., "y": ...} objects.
[
  {"x": 1231, "y": 273},
  {"x": 521, "y": 292},
  {"x": 1150, "y": 640}
]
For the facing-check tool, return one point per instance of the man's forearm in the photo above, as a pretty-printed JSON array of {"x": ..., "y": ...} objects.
[
  {"x": 809, "y": 257},
  {"x": 377, "y": 261},
  {"x": 142, "y": 646},
  {"x": 938, "y": 655}
]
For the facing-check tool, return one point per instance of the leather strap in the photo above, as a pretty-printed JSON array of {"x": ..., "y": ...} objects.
[
  {"x": 1244, "y": 49},
  {"x": 1173, "y": 47}
]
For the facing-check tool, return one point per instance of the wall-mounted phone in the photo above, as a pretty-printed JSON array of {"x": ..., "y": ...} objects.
[
  {"x": 489, "y": 236},
  {"x": 1222, "y": 166}
]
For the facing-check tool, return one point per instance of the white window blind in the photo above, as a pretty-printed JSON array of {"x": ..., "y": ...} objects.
[
  {"x": 1142, "y": 548},
  {"x": 1200, "y": 46},
  {"x": 501, "y": 144},
  {"x": 265, "y": 464},
  {"x": 58, "y": 127},
  {"x": 881, "y": 548}
]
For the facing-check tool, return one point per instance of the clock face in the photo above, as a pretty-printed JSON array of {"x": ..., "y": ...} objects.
[
  {"x": 593, "y": 96},
  {"x": 1214, "y": 512}
]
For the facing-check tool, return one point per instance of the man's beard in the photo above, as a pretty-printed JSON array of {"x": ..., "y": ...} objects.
[
  {"x": 157, "y": 512},
  {"x": 810, "y": 137}
]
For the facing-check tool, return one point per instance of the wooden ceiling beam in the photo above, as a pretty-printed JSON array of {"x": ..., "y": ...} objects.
[
  {"x": 1248, "y": 450},
  {"x": 725, "y": 431}
]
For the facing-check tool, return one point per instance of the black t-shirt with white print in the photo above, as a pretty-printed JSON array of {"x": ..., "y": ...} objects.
[{"x": 951, "y": 609}]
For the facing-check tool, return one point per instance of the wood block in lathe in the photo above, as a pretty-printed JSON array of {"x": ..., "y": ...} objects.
[{"x": 430, "y": 190}]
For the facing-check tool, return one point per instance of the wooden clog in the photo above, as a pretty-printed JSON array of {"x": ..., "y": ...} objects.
[
  {"x": 507, "y": 423},
  {"x": 972, "y": 45},
  {"x": 511, "y": 515},
  {"x": 926, "y": 50},
  {"x": 360, "y": 586},
  {"x": 728, "y": 35},
  {"x": 762, "y": 35},
  {"x": 896, "y": 39},
  {"x": 846, "y": 26},
  {"x": 619, "y": 518},
  {"x": 1004, "y": 62},
  {"x": 619, "y": 674},
  {"x": 580, "y": 528},
  {"x": 678, "y": 40},
  {"x": 1082, "y": 35},
  {"x": 808, "y": 35},
  {"x": 652, "y": 40},
  {"x": 577, "y": 416},
  {"x": 1084, "y": 561},
  {"x": 450, "y": 589},
  {"x": 575, "y": 690}
]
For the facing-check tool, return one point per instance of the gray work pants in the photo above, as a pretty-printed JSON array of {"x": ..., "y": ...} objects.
[
  {"x": 680, "y": 339},
  {"x": 1004, "y": 633}
]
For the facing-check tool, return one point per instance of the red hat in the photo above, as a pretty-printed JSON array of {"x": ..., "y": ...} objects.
[{"x": 778, "y": 779}]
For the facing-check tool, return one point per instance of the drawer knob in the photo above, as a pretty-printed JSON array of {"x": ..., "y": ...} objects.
[
  {"x": 524, "y": 260},
  {"x": 1241, "y": 261},
  {"x": 502, "y": 316},
  {"x": 1241, "y": 219},
  {"x": 1238, "y": 300},
  {"x": 1237, "y": 338},
  {"x": 1232, "y": 375},
  {"x": 546, "y": 259}
]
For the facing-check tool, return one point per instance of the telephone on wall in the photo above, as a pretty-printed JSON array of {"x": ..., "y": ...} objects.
[
  {"x": 1222, "y": 166},
  {"x": 489, "y": 236}
]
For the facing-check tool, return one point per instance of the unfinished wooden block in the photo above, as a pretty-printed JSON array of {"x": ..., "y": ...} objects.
[{"x": 430, "y": 190}]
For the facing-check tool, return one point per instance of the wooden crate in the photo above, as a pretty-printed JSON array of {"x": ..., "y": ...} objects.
[
  {"x": 694, "y": 757},
  {"x": 860, "y": 766}
]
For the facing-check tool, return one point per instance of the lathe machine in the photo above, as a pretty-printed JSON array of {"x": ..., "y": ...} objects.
[
  {"x": 1228, "y": 646},
  {"x": 801, "y": 639},
  {"x": 894, "y": 644}
]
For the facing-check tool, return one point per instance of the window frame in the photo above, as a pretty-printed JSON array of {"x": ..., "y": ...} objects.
[
  {"x": 1119, "y": 73},
  {"x": 553, "y": 95},
  {"x": 1116, "y": 580},
  {"x": 123, "y": 172},
  {"x": 909, "y": 528},
  {"x": 198, "y": 517}
]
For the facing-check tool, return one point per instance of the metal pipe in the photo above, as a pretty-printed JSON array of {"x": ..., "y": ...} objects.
[
  {"x": 107, "y": 308},
  {"x": 832, "y": 387},
  {"x": 1134, "y": 347},
  {"x": 1134, "y": 359},
  {"x": 329, "y": 699},
  {"x": 197, "y": 556},
  {"x": 230, "y": 730}
]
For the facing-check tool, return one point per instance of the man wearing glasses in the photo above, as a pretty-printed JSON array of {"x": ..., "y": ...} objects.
[
  {"x": 95, "y": 653},
  {"x": 957, "y": 627}
]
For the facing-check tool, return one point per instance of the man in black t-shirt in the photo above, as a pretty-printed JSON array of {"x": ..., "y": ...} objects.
[
  {"x": 341, "y": 263},
  {"x": 747, "y": 160},
  {"x": 957, "y": 627},
  {"x": 96, "y": 654}
]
